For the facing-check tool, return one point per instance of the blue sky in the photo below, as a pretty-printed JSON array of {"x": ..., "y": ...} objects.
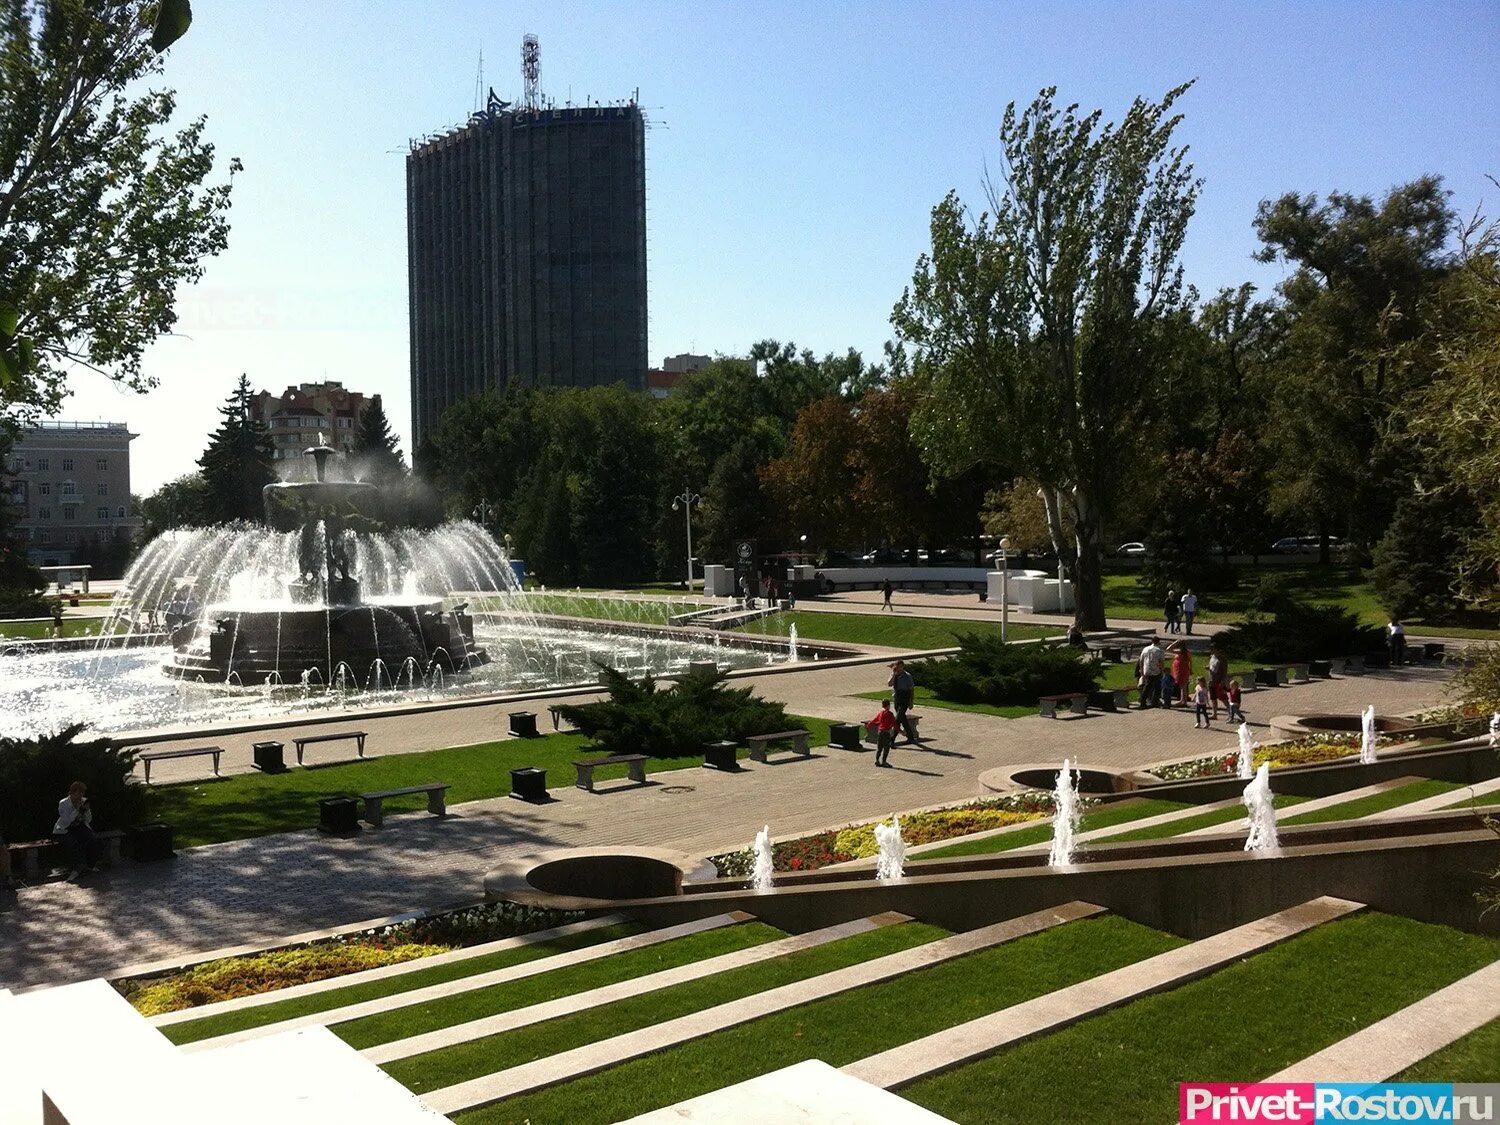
[{"x": 795, "y": 155}]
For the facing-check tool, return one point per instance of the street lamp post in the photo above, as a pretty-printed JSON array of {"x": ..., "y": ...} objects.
[
  {"x": 1004, "y": 586},
  {"x": 684, "y": 502},
  {"x": 484, "y": 512}
]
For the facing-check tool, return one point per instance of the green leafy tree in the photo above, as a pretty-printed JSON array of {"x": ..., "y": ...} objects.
[
  {"x": 20, "y": 581},
  {"x": 237, "y": 465},
  {"x": 812, "y": 483},
  {"x": 183, "y": 502},
  {"x": 376, "y": 446},
  {"x": 1353, "y": 306},
  {"x": 104, "y": 210},
  {"x": 736, "y": 503},
  {"x": 1033, "y": 325}
]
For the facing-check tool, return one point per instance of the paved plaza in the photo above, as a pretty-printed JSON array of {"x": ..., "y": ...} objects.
[{"x": 264, "y": 889}]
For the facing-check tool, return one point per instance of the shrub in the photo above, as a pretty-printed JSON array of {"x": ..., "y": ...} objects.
[
  {"x": 639, "y": 719},
  {"x": 985, "y": 670},
  {"x": 35, "y": 775},
  {"x": 265, "y": 972},
  {"x": 1296, "y": 632},
  {"x": 473, "y": 925},
  {"x": 1477, "y": 686}
]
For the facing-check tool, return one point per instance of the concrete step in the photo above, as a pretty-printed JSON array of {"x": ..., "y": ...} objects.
[
  {"x": 386, "y": 972},
  {"x": 1451, "y": 800},
  {"x": 945, "y": 1050},
  {"x": 806, "y": 1093},
  {"x": 478, "y": 980},
  {"x": 1384, "y": 1049},
  {"x": 1103, "y": 835},
  {"x": 1289, "y": 817},
  {"x": 593, "y": 1057},
  {"x": 621, "y": 990}
]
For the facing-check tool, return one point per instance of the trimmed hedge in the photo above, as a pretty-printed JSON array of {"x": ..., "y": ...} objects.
[
  {"x": 986, "y": 670},
  {"x": 35, "y": 774}
]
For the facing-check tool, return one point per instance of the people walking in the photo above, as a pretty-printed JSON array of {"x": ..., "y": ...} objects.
[
  {"x": 1150, "y": 674},
  {"x": 1218, "y": 678},
  {"x": 1396, "y": 640},
  {"x": 1200, "y": 704},
  {"x": 886, "y": 590},
  {"x": 1169, "y": 612},
  {"x": 884, "y": 725},
  {"x": 903, "y": 692},
  {"x": 74, "y": 831},
  {"x": 1189, "y": 610}
]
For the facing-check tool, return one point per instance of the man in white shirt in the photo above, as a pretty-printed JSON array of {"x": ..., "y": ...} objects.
[
  {"x": 74, "y": 830},
  {"x": 1189, "y": 608},
  {"x": 1396, "y": 637},
  {"x": 1151, "y": 662}
]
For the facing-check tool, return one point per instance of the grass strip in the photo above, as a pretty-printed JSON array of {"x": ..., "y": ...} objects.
[
  {"x": 888, "y": 630},
  {"x": 1119, "y": 812},
  {"x": 1239, "y": 1024},
  {"x": 247, "y": 805},
  {"x": 477, "y": 1057},
  {"x": 1193, "y": 823},
  {"x": 191, "y": 1031},
  {"x": 1375, "y": 802},
  {"x": 513, "y": 995},
  {"x": 843, "y": 1028},
  {"x": 1469, "y": 1059}
]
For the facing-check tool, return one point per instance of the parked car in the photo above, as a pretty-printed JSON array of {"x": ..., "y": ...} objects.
[
  {"x": 1131, "y": 549},
  {"x": 1308, "y": 545},
  {"x": 1291, "y": 545}
]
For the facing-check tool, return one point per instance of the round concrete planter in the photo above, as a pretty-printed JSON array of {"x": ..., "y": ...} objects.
[
  {"x": 593, "y": 878},
  {"x": 1091, "y": 779},
  {"x": 1284, "y": 728}
]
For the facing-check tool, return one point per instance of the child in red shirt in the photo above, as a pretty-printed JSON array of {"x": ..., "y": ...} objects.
[{"x": 884, "y": 725}]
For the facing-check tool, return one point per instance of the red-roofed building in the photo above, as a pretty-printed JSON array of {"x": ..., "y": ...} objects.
[{"x": 296, "y": 416}]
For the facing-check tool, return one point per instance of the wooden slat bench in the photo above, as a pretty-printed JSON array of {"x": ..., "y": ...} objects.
[
  {"x": 309, "y": 739},
  {"x": 374, "y": 802},
  {"x": 146, "y": 757},
  {"x": 1078, "y": 703},
  {"x": 760, "y": 744},
  {"x": 29, "y": 852},
  {"x": 635, "y": 763}
]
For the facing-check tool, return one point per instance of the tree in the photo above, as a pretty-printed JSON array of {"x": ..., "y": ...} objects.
[
  {"x": 735, "y": 501},
  {"x": 237, "y": 465},
  {"x": 183, "y": 502},
  {"x": 813, "y": 481},
  {"x": 1416, "y": 561},
  {"x": 20, "y": 581},
  {"x": 1033, "y": 326},
  {"x": 376, "y": 447},
  {"x": 103, "y": 211},
  {"x": 1353, "y": 306}
]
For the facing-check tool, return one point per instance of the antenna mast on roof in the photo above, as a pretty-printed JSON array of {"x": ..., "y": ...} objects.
[
  {"x": 479, "y": 81},
  {"x": 531, "y": 70}
]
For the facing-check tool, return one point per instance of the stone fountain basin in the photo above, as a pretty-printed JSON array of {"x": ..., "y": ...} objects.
[
  {"x": 1285, "y": 728},
  {"x": 594, "y": 878}
]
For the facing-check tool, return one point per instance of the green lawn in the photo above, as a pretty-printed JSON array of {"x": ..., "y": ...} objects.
[
  {"x": 1376, "y": 802},
  {"x": 924, "y": 697},
  {"x": 41, "y": 630},
  {"x": 1237, "y": 1025},
  {"x": 513, "y": 995},
  {"x": 496, "y": 1052},
  {"x": 1192, "y": 823},
  {"x": 1470, "y": 1059},
  {"x": 228, "y": 1022},
  {"x": 843, "y": 1028},
  {"x": 888, "y": 630},
  {"x": 258, "y": 804},
  {"x": 1119, "y": 812}
]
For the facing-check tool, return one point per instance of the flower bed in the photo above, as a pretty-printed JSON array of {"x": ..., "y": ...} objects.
[
  {"x": 231, "y": 977},
  {"x": 857, "y": 841},
  {"x": 1295, "y": 752}
]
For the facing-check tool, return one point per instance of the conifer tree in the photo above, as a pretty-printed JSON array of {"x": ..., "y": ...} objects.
[
  {"x": 376, "y": 447},
  {"x": 237, "y": 465}
]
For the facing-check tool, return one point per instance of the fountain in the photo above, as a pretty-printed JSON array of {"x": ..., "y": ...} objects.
[
  {"x": 762, "y": 874},
  {"x": 1064, "y": 815},
  {"x": 1367, "y": 737},
  {"x": 1495, "y": 731},
  {"x": 891, "y": 863},
  {"x": 792, "y": 643},
  {"x": 1247, "y": 753},
  {"x": 1260, "y": 802}
]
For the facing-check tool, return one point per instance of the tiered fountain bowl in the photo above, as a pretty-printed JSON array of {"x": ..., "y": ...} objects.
[{"x": 319, "y": 626}]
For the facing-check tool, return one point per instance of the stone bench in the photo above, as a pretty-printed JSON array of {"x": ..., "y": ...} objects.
[
  {"x": 307, "y": 740},
  {"x": 636, "y": 764},
  {"x": 374, "y": 802},
  {"x": 27, "y": 855},
  {"x": 760, "y": 744},
  {"x": 1078, "y": 703},
  {"x": 146, "y": 757}
]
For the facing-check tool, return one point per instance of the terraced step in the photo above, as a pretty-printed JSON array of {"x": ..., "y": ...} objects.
[
  {"x": 454, "y": 987},
  {"x": 1019, "y": 837},
  {"x": 1306, "y": 808},
  {"x": 388, "y": 973},
  {"x": 843, "y": 1028},
  {"x": 977, "y": 1038},
  {"x": 1201, "y": 816},
  {"x": 605, "y": 1053},
  {"x": 1382, "y": 1050},
  {"x": 1456, "y": 798},
  {"x": 456, "y": 1033}
]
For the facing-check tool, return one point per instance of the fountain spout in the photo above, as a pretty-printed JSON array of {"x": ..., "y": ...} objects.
[
  {"x": 892, "y": 862},
  {"x": 1367, "y": 735},
  {"x": 761, "y": 875},
  {"x": 1260, "y": 802},
  {"x": 1064, "y": 816},
  {"x": 1247, "y": 753}
]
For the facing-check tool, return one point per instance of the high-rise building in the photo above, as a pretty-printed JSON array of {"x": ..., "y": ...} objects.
[
  {"x": 295, "y": 417},
  {"x": 526, "y": 254},
  {"x": 70, "y": 487}
]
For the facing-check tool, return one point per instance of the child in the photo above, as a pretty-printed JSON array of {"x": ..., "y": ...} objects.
[
  {"x": 1233, "y": 693},
  {"x": 884, "y": 726},
  {"x": 1200, "y": 703},
  {"x": 1168, "y": 687}
]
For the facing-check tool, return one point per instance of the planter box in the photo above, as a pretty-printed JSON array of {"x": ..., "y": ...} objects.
[
  {"x": 523, "y": 724},
  {"x": 721, "y": 756},
  {"x": 269, "y": 756},
  {"x": 528, "y": 784},
  {"x": 338, "y": 816},
  {"x": 1298, "y": 672},
  {"x": 1268, "y": 677},
  {"x": 150, "y": 842},
  {"x": 1320, "y": 668},
  {"x": 845, "y": 736}
]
